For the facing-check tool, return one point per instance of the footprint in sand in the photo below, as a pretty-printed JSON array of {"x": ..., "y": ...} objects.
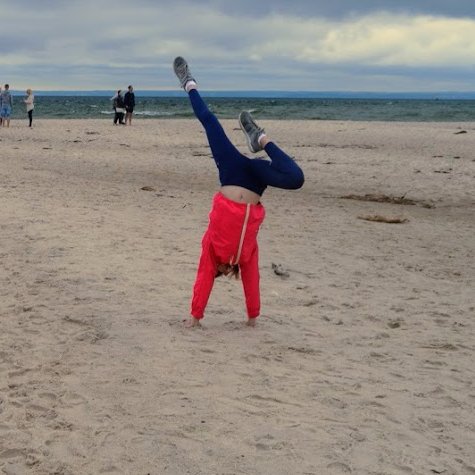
[{"x": 338, "y": 467}]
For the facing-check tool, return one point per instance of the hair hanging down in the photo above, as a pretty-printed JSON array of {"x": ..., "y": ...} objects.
[{"x": 231, "y": 270}]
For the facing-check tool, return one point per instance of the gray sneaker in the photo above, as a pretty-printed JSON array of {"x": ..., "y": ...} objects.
[
  {"x": 251, "y": 130},
  {"x": 182, "y": 71}
]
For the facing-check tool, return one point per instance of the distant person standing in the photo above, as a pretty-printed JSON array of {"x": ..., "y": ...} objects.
[
  {"x": 1, "y": 120},
  {"x": 119, "y": 108},
  {"x": 7, "y": 105},
  {"x": 129, "y": 101},
  {"x": 29, "y": 101}
]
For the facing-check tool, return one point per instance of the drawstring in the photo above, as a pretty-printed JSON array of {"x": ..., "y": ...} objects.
[{"x": 243, "y": 232}]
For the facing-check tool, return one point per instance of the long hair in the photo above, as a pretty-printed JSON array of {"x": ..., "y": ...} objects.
[{"x": 229, "y": 270}]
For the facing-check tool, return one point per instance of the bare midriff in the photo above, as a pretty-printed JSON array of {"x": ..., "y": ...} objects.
[{"x": 240, "y": 194}]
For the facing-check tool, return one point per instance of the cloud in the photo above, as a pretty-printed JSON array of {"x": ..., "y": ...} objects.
[
  {"x": 401, "y": 41},
  {"x": 78, "y": 45},
  {"x": 373, "y": 40}
]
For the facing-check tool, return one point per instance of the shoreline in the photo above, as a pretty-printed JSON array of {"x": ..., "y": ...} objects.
[{"x": 139, "y": 118}]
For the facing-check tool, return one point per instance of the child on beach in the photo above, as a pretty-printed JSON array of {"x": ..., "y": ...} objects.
[{"x": 229, "y": 245}]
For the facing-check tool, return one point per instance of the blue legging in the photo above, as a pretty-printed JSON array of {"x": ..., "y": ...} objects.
[{"x": 281, "y": 172}]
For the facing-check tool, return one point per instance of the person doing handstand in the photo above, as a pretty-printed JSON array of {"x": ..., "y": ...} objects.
[{"x": 229, "y": 245}]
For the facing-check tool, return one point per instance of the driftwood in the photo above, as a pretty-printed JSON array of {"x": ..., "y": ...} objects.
[
  {"x": 383, "y": 219},
  {"x": 380, "y": 198}
]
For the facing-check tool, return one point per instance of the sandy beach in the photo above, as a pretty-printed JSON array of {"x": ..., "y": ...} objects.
[{"x": 362, "y": 361}]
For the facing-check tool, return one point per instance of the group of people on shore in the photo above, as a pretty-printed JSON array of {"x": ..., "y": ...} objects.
[
  {"x": 6, "y": 105},
  {"x": 123, "y": 106}
]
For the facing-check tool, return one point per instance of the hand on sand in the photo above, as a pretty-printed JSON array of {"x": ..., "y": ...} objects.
[{"x": 192, "y": 322}]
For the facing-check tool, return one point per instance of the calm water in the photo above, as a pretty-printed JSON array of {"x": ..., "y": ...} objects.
[{"x": 416, "y": 110}]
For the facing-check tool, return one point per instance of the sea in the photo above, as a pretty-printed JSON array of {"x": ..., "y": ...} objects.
[{"x": 405, "y": 107}]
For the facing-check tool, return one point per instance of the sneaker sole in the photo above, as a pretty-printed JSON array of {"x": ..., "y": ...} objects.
[
  {"x": 183, "y": 65},
  {"x": 248, "y": 139}
]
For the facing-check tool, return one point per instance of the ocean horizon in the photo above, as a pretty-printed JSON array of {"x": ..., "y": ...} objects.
[
  {"x": 279, "y": 105},
  {"x": 282, "y": 94}
]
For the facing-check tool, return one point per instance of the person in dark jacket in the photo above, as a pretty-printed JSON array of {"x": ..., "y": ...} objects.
[
  {"x": 129, "y": 101},
  {"x": 119, "y": 108}
]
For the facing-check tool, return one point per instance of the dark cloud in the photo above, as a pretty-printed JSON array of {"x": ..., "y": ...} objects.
[
  {"x": 303, "y": 8},
  {"x": 344, "y": 8},
  {"x": 35, "y": 5},
  {"x": 19, "y": 44},
  {"x": 335, "y": 9},
  {"x": 68, "y": 44}
]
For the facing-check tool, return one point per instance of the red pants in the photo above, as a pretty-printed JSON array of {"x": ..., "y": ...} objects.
[{"x": 233, "y": 227}]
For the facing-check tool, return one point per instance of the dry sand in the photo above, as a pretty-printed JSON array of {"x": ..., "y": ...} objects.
[{"x": 362, "y": 361}]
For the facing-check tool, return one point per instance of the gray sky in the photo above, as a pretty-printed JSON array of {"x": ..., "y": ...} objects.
[{"x": 312, "y": 45}]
